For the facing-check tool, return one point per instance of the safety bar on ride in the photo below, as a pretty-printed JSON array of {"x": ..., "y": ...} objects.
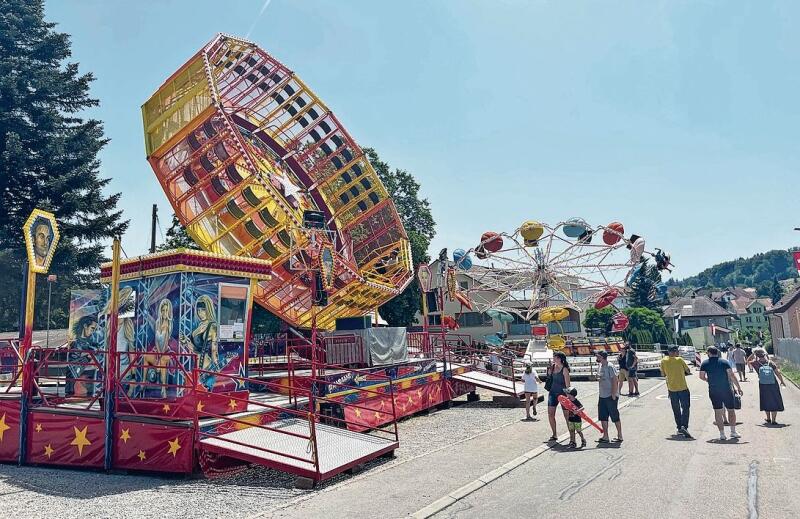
[
  {"x": 130, "y": 379},
  {"x": 11, "y": 364},
  {"x": 74, "y": 365}
]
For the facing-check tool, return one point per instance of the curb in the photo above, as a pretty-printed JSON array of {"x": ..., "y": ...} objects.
[{"x": 465, "y": 490}]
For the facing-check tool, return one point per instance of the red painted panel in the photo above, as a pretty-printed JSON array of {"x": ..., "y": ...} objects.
[
  {"x": 62, "y": 439},
  {"x": 145, "y": 446},
  {"x": 9, "y": 430}
]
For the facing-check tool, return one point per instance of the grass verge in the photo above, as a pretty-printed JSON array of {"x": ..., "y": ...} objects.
[{"x": 791, "y": 371}]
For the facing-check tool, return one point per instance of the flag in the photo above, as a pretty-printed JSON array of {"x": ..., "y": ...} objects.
[
  {"x": 713, "y": 329},
  {"x": 796, "y": 255}
]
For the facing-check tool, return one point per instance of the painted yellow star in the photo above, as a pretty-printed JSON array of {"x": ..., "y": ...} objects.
[
  {"x": 126, "y": 435},
  {"x": 200, "y": 406},
  {"x": 358, "y": 412},
  {"x": 166, "y": 408},
  {"x": 80, "y": 440},
  {"x": 410, "y": 400},
  {"x": 3, "y": 426},
  {"x": 419, "y": 393},
  {"x": 38, "y": 427},
  {"x": 232, "y": 404},
  {"x": 48, "y": 451},
  {"x": 141, "y": 456},
  {"x": 382, "y": 404},
  {"x": 377, "y": 415},
  {"x": 173, "y": 447}
]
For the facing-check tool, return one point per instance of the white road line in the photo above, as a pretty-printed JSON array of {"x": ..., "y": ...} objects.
[
  {"x": 752, "y": 491},
  {"x": 460, "y": 493}
]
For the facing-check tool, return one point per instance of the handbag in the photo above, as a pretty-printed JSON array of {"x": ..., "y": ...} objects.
[
  {"x": 737, "y": 401},
  {"x": 548, "y": 382}
]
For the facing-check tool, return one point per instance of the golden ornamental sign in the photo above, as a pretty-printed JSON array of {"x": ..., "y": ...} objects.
[{"x": 41, "y": 237}]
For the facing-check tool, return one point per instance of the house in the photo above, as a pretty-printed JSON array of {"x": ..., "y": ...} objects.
[
  {"x": 477, "y": 282},
  {"x": 751, "y": 313},
  {"x": 784, "y": 317},
  {"x": 706, "y": 322}
]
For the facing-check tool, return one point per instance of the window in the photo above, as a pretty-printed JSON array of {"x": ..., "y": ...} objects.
[
  {"x": 567, "y": 326},
  {"x": 749, "y": 319},
  {"x": 474, "y": 320},
  {"x": 434, "y": 320},
  {"x": 463, "y": 285}
]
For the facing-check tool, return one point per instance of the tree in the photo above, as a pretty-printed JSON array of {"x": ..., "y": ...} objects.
[
  {"x": 646, "y": 326},
  {"x": 775, "y": 291},
  {"x": 177, "y": 237},
  {"x": 48, "y": 159},
  {"x": 599, "y": 319},
  {"x": 643, "y": 289},
  {"x": 415, "y": 213}
]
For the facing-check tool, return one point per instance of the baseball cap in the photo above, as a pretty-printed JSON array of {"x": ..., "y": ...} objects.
[
  {"x": 673, "y": 347},
  {"x": 571, "y": 391}
]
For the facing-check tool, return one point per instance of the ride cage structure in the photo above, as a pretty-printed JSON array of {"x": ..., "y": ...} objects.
[{"x": 243, "y": 148}]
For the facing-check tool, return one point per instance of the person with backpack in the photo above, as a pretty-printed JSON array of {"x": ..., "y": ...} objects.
[{"x": 769, "y": 393}]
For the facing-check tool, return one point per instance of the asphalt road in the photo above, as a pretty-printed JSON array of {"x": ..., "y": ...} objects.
[{"x": 657, "y": 474}]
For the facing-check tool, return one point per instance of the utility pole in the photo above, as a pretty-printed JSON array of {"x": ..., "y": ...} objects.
[{"x": 153, "y": 229}]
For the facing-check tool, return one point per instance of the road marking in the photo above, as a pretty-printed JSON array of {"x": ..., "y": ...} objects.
[
  {"x": 666, "y": 397},
  {"x": 752, "y": 491},
  {"x": 575, "y": 487},
  {"x": 473, "y": 486}
]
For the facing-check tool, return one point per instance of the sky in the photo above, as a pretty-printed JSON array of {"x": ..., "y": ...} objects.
[{"x": 677, "y": 118}]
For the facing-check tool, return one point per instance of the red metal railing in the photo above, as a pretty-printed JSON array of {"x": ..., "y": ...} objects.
[
  {"x": 11, "y": 365},
  {"x": 65, "y": 377},
  {"x": 133, "y": 390},
  {"x": 495, "y": 362},
  {"x": 311, "y": 415}
]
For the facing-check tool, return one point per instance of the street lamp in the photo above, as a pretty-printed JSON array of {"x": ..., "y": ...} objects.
[{"x": 52, "y": 278}]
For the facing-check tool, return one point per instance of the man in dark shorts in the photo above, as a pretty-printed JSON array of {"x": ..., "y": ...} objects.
[
  {"x": 608, "y": 396},
  {"x": 632, "y": 361},
  {"x": 719, "y": 375}
]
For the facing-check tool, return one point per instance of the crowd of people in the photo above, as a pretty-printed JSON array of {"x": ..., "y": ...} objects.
[{"x": 724, "y": 390}]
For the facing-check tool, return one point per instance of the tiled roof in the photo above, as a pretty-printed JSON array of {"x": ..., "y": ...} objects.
[
  {"x": 786, "y": 301},
  {"x": 699, "y": 306}
]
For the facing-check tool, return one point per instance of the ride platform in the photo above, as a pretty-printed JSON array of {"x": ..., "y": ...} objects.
[
  {"x": 487, "y": 380},
  {"x": 285, "y": 445}
]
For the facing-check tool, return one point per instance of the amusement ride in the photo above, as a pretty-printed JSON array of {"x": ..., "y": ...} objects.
[{"x": 162, "y": 372}]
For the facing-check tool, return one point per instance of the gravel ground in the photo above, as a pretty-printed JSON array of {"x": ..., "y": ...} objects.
[{"x": 65, "y": 493}]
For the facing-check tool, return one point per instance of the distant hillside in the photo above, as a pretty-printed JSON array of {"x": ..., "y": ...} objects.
[{"x": 755, "y": 271}]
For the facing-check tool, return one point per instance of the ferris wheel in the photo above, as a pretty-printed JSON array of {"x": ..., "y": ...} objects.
[{"x": 540, "y": 272}]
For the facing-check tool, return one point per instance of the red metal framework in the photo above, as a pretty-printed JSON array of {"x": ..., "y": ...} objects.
[
  {"x": 65, "y": 378},
  {"x": 11, "y": 366}
]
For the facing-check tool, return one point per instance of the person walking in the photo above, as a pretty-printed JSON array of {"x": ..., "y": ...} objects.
[
  {"x": 739, "y": 360},
  {"x": 574, "y": 422},
  {"x": 531, "y": 380},
  {"x": 558, "y": 375},
  {"x": 769, "y": 393},
  {"x": 748, "y": 351},
  {"x": 719, "y": 376},
  {"x": 632, "y": 361},
  {"x": 674, "y": 369},
  {"x": 608, "y": 396},
  {"x": 623, "y": 366}
]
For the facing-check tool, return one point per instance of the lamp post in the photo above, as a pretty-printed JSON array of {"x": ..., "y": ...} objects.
[{"x": 52, "y": 278}]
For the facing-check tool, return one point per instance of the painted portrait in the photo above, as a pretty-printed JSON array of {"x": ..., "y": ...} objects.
[{"x": 41, "y": 238}]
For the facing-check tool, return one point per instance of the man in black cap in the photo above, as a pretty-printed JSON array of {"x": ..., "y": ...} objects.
[
  {"x": 674, "y": 368},
  {"x": 608, "y": 396}
]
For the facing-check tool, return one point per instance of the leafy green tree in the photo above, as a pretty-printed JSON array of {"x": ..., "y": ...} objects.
[
  {"x": 646, "y": 326},
  {"x": 753, "y": 271},
  {"x": 599, "y": 319},
  {"x": 415, "y": 212},
  {"x": 48, "y": 159},
  {"x": 177, "y": 237}
]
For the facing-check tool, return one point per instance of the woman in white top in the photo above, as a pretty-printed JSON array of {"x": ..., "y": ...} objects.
[{"x": 531, "y": 380}]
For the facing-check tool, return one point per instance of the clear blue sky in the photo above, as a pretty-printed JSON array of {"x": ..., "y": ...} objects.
[{"x": 678, "y": 118}]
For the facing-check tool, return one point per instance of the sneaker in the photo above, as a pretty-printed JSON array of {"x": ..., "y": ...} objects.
[
  {"x": 722, "y": 437},
  {"x": 685, "y": 433},
  {"x": 573, "y": 445},
  {"x": 735, "y": 434}
]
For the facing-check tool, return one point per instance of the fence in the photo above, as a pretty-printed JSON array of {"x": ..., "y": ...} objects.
[{"x": 788, "y": 349}]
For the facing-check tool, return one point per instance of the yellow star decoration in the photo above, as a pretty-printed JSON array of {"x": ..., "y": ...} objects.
[
  {"x": 200, "y": 406},
  {"x": 377, "y": 415},
  {"x": 232, "y": 404},
  {"x": 173, "y": 447},
  {"x": 80, "y": 440},
  {"x": 141, "y": 456},
  {"x": 3, "y": 426},
  {"x": 166, "y": 408},
  {"x": 382, "y": 404},
  {"x": 126, "y": 435},
  {"x": 48, "y": 450},
  {"x": 410, "y": 400},
  {"x": 358, "y": 412},
  {"x": 419, "y": 393},
  {"x": 38, "y": 427}
]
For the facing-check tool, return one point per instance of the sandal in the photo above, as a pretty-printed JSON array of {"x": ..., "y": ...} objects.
[
  {"x": 573, "y": 445},
  {"x": 602, "y": 440},
  {"x": 553, "y": 439},
  {"x": 583, "y": 443},
  {"x": 616, "y": 440}
]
